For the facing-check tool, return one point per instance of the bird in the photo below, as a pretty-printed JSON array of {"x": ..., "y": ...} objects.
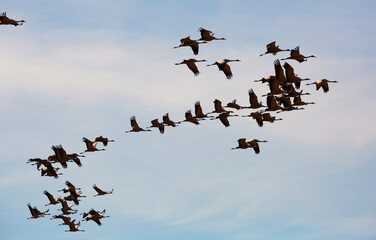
[
  {"x": 65, "y": 208},
  {"x": 242, "y": 144},
  {"x": 223, "y": 66},
  {"x": 166, "y": 120},
  {"x": 190, "y": 118},
  {"x": 280, "y": 75},
  {"x": 223, "y": 117},
  {"x": 74, "y": 227},
  {"x": 36, "y": 161},
  {"x": 257, "y": 115},
  {"x": 273, "y": 49},
  {"x": 70, "y": 186},
  {"x": 207, "y": 35},
  {"x": 283, "y": 99},
  {"x": 67, "y": 220},
  {"x": 253, "y": 100},
  {"x": 96, "y": 216},
  {"x": 322, "y": 83},
  {"x": 60, "y": 156},
  {"x": 191, "y": 65},
  {"x": 52, "y": 200},
  {"x": 91, "y": 212},
  {"x": 90, "y": 146},
  {"x": 48, "y": 169},
  {"x": 234, "y": 105},
  {"x": 155, "y": 123},
  {"x": 295, "y": 54},
  {"x": 253, "y": 143},
  {"x": 103, "y": 140},
  {"x": 135, "y": 127},
  {"x": 290, "y": 108},
  {"x": 291, "y": 92},
  {"x": 188, "y": 42},
  {"x": 274, "y": 88},
  {"x": 35, "y": 213},
  {"x": 198, "y": 111},
  {"x": 298, "y": 101},
  {"x": 218, "y": 107},
  {"x": 266, "y": 79},
  {"x": 291, "y": 77},
  {"x": 75, "y": 159},
  {"x": 268, "y": 118},
  {"x": 271, "y": 101},
  {"x": 4, "y": 20},
  {"x": 100, "y": 191}
]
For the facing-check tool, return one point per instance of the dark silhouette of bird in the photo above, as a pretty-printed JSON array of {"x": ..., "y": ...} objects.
[
  {"x": 189, "y": 118},
  {"x": 257, "y": 115},
  {"x": 253, "y": 143},
  {"x": 4, "y": 20},
  {"x": 295, "y": 54},
  {"x": 298, "y": 102},
  {"x": 268, "y": 118},
  {"x": 100, "y": 192},
  {"x": 223, "y": 117},
  {"x": 166, "y": 120},
  {"x": 272, "y": 104},
  {"x": 74, "y": 227},
  {"x": 52, "y": 200},
  {"x": 135, "y": 127},
  {"x": 91, "y": 146},
  {"x": 291, "y": 77},
  {"x": 223, "y": 66},
  {"x": 35, "y": 213},
  {"x": 273, "y": 49},
  {"x": 96, "y": 216},
  {"x": 253, "y": 100},
  {"x": 207, "y": 35},
  {"x": 156, "y": 124},
  {"x": 188, "y": 42},
  {"x": 322, "y": 83},
  {"x": 191, "y": 64},
  {"x": 234, "y": 105},
  {"x": 103, "y": 140},
  {"x": 242, "y": 144},
  {"x": 199, "y": 114}
]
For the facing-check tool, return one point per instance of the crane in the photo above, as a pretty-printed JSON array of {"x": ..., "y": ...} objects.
[
  {"x": 135, "y": 127},
  {"x": 223, "y": 66},
  {"x": 100, "y": 192},
  {"x": 273, "y": 49},
  {"x": 207, "y": 35},
  {"x": 191, "y": 65},
  {"x": 4, "y": 20},
  {"x": 322, "y": 83},
  {"x": 295, "y": 54}
]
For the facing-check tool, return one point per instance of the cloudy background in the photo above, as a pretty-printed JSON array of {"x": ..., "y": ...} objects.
[{"x": 83, "y": 68}]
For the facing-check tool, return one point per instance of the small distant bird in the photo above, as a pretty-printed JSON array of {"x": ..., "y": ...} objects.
[
  {"x": 65, "y": 208},
  {"x": 166, "y": 120},
  {"x": 234, "y": 105},
  {"x": 295, "y": 54},
  {"x": 91, "y": 212},
  {"x": 271, "y": 101},
  {"x": 188, "y": 42},
  {"x": 266, "y": 79},
  {"x": 103, "y": 140},
  {"x": 207, "y": 35},
  {"x": 198, "y": 111},
  {"x": 96, "y": 216},
  {"x": 100, "y": 191},
  {"x": 135, "y": 127},
  {"x": 91, "y": 146},
  {"x": 291, "y": 77},
  {"x": 218, "y": 107},
  {"x": 223, "y": 117},
  {"x": 223, "y": 66},
  {"x": 67, "y": 220},
  {"x": 298, "y": 101},
  {"x": 322, "y": 83},
  {"x": 273, "y": 49},
  {"x": 268, "y": 118},
  {"x": 253, "y": 143},
  {"x": 242, "y": 144},
  {"x": 291, "y": 92},
  {"x": 257, "y": 115},
  {"x": 189, "y": 118},
  {"x": 280, "y": 75},
  {"x": 69, "y": 186},
  {"x": 191, "y": 65},
  {"x": 35, "y": 213},
  {"x": 74, "y": 227},
  {"x": 156, "y": 124},
  {"x": 253, "y": 100},
  {"x": 52, "y": 200},
  {"x": 4, "y": 20}
]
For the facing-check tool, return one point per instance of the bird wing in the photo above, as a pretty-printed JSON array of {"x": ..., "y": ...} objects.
[
  {"x": 134, "y": 123},
  {"x": 270, "y": 45},
  {"x": 100, "y": 191},
  {"x": 227, "y": 71},
  {"x": 194, "y": 46},
  {"x": 253, "y": 98},
  {"x": 49, "y": 196},
  {"x": 223, "y": 117},
  {"x": 193, "y": 67}
]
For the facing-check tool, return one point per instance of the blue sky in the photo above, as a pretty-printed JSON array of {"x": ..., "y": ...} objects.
[{"x": 83, "y": 68}]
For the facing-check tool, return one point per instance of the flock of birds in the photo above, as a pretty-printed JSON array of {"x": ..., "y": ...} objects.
[
  {"x": 61, "y": 157},
  {"x": 284, "y": 85}
]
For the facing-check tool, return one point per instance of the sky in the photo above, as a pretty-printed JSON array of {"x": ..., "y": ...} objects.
[{"x": 82, "y": 68}]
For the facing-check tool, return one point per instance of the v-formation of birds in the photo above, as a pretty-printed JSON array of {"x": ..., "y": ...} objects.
[{"x": 282, "y": 85}]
